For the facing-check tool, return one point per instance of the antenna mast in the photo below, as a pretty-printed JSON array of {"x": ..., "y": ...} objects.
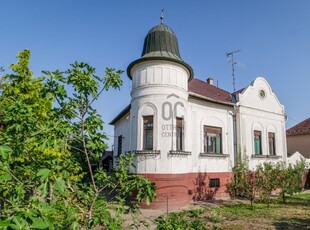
[{"x": 233, "y": 63}]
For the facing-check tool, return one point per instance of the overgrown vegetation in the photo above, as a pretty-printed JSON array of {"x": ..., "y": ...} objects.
[
  {"x": 49, "y": 137},
  {"x": 267, "y": 178},
  {"x": 243, "y": 181},
  {"x": 294, "y": 214},
  {"x": 181, "y": 220}
]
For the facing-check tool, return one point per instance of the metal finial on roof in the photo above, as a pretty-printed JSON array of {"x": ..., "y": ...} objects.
[{"x": 162, "y": 16}]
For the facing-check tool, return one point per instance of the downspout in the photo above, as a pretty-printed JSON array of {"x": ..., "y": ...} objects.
[
  {"x": 234, "y": 133},
  {"x": 235, "y": 138}
]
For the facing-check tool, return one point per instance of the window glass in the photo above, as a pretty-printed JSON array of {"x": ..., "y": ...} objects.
[
  {"x": 212, "y": 139},
  {"x": 257, "y": 142},
  {"x": 179, "y": 133},
  {"x": 272, "y": 144},
  {"x": 214, "y": 183},
  {"x": 119, "y": 145},
  {"x": 148, "y": 132}
]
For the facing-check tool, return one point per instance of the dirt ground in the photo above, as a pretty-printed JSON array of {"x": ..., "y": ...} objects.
[{"x": 149, "y": 216}]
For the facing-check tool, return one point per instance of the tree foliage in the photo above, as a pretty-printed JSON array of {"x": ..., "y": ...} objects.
[
  {"x": 49, "y": 137},
  {"x": 267, "y": 178},
  {"x": 290, "y": 178},
  {"x": 266, "y": 182},
  {"x": 243, "y": 181}
]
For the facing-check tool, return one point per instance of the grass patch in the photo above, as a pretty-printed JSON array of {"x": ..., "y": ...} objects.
[{"x": 295, "y": 214}]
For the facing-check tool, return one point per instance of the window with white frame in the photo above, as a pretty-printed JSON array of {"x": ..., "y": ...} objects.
[
  {"x": 257, "y": 142},
  {"x": 272, "y": 144},
  {"x": 179, "y": 134},
  {"x": 148, "y": 132},
  {"x": 212, "y": 139}
]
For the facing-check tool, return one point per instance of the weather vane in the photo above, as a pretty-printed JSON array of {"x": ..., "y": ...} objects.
[
  {"x": 233, "y": 63},
  {"x": 162, "y": 16}
]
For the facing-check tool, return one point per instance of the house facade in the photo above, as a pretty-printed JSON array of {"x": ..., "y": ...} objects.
[
  {"x": 185, "y": 132},
  {"x": 298, "y": 139}
]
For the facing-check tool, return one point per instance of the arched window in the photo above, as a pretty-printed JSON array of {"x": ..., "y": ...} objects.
[
  {"x": 147, "y": 138},
  {"x": 257, "y": 138},
  {"x": 148, "y": 132},
  {"x": 257, "y": 142}
]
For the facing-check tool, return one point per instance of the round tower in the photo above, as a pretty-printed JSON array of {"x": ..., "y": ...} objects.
[{"x": 159, "y": 114}]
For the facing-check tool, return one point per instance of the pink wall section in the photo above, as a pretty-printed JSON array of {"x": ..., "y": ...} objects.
[{"x": 182, "y": 189}]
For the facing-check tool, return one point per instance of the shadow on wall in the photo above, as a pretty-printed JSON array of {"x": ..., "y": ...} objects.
[{"x": 202, "y": 190}]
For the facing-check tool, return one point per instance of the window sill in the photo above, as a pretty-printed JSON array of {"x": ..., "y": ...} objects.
[
  {"x": 266, "y": 156},
  {"x": 220, "y": 155},
  {"x": 180, "y": 152},
  {"x": 145, "y": 152}
]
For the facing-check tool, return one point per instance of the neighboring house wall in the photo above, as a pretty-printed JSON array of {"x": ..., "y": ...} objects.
[{"x": 300, "y": 143}]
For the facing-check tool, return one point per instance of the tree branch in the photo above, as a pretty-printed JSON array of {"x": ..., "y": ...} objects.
[
  {"x": 84, "y": 144},
  {"x": 12, "y": 175},
  {"x": 94, "y": 98}
]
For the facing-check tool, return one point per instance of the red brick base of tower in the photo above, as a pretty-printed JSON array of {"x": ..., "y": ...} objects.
[{"x": 179, "y": 190}]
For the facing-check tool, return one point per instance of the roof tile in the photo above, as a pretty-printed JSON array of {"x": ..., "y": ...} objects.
[
  {"x": 210, "y": 91},
  {"x": 299, "y": 129}
]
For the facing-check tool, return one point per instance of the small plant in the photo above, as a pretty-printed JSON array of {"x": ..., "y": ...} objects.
[
  {"x": 179, "y": 221},
  {"x": 215, "y": 217},
  {"x": 196, "y": 212}
]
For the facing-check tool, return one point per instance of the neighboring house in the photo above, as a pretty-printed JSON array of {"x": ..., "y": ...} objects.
[
  {"x": 298, "y": 138},
  {"x": 186, "y": 132},
  {"x": 106, "y": 161}
]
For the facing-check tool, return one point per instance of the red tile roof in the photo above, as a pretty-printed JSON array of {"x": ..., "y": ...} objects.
[
  {"x": 299, "y": 129},
  {"x": 196, "y": 86}
]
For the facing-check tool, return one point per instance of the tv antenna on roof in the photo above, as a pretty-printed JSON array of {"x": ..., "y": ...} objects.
[{"x": 233, "y": 63}]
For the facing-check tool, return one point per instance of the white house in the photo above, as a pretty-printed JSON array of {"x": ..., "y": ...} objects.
[{"x": 186, "y": 132}]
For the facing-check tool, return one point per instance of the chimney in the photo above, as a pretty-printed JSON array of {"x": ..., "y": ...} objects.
[{"x": 210, "y": 81}]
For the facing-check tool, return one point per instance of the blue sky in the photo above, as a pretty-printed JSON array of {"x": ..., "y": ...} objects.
[{"x": 273, "y": 35}]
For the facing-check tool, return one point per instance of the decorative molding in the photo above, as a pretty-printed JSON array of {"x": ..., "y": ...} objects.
[
  {"x": 219, "y": 155},
  {"x": 144, "y": 152},
  {"x": 179, "y": 153},
  {"x": 266, "y": 156}
]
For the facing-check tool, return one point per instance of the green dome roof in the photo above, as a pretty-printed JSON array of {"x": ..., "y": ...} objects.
[{"x": 160, "y": 43}]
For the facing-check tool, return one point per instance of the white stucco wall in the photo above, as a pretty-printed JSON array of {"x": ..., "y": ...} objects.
[
  {"x": 122, "y": 127},
  {"x": 265, "y": 114},
  {"x": 216, "y": 115},
  {"x": 160, "y": 89}
]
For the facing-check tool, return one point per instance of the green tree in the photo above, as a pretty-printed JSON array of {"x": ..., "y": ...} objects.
[
  {"x": 46, "y": 152},
  {"x": 290, "y": 178},
  {"x": 243, "y": 180},
  {"x": 266, "y": 180}
]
